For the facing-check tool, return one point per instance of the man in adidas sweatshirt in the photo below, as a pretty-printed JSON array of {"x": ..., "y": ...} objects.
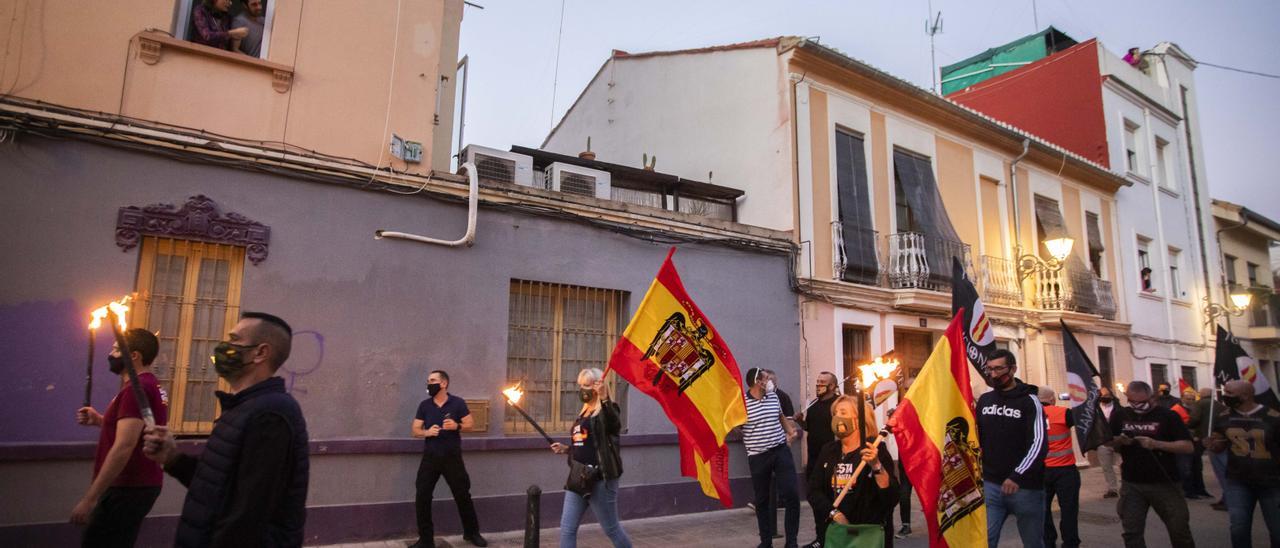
[{"x": 1011, "y": 430}]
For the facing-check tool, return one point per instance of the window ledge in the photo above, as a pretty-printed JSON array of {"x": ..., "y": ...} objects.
[
  {"x": 1137, "y": 177},
  {"x": 1181, "y": 302},
  {"x": 153, "y": 44},
  {"x": 1150, "y": 295},
  {"x": 1169, "y": 191}
]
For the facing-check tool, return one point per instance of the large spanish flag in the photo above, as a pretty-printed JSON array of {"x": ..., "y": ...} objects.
[
  {"x": 937, "y": 438},
  {"x": 671, "y": 352}
]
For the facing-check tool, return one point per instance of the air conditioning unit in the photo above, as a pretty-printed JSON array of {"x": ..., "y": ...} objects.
[
  {"x": 499, "y": 166},
  {"x": 583, "y": 181}
]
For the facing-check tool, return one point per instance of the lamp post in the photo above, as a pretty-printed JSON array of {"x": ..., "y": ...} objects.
[
  {"x": 1239, "y": 303},
  {"x": 1059, "y": 250}
]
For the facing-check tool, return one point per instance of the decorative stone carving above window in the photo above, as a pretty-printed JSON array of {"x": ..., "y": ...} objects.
[{"x": 199, "y": 219}]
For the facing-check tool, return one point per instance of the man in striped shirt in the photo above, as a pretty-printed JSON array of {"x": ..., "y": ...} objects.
[{"x": 767, "y": 435}]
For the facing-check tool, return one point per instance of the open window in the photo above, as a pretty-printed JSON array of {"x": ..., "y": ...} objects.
[{"x": 212, "y": 22}]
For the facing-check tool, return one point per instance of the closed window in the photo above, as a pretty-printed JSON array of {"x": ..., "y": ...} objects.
[
  {"x": 189, "y": 295},
  {"x": 1252, "y": 271},
  {"x": 1105, "y": 365},
  {"x": 1229, "y": 265},
  {"x": 855, "y": 234},
  {"x": 1175, "y": 274},
  {"x": 1093, "y": 229},
  {"x": 1159, "y": 374},
  {"x": 1131, "y": 151},
  {"x": 554, "y": 331},
  {"x": 1166, "y": 172},
  {"x": 856, "y": 343}
]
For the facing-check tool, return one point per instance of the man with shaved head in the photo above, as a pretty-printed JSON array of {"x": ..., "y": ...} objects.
[
  {"x": 249, "y": 485},
  {"x": 1148, "y": 437},
  {"x": 1061, "y": 479},
  {"x": 1249, "y": 434}
]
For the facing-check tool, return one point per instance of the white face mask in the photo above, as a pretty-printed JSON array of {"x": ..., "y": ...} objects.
[{"x": 769, "y": 387}]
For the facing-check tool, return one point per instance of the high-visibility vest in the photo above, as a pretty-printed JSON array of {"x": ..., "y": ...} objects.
[{"x": 1060, "y": 453}]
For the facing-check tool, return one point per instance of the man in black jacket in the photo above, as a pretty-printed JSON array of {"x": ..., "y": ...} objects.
[
  {"x": 1011, "y": 430},
  {"x": 249, "y": 485},
  {"x": 816, "y": 421}
]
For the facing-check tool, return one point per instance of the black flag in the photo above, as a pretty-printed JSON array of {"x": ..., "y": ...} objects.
[
  {"x": 979, "y": 334},
  {"x": 1091, "y": 427},
  {"x": 1231, "y": 362}
]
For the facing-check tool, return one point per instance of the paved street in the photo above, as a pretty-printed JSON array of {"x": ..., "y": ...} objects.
[{"x": 1099, "y": 526}]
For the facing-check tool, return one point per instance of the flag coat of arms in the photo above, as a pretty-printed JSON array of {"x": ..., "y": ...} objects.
[
  {"x": 1092, "y": 429},
  {"x": 1231, "y": 362},
  {"x": 672, "y": 353},
  {"x": 979, "y": 334},
  {"x": 937, "y": 435}
]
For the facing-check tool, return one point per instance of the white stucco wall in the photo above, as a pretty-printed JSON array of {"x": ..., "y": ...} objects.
[
  {"x": 1161, "y": 206},
  {"x": 723, "y": 113}
]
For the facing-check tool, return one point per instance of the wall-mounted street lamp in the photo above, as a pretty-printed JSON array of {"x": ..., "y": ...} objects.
[
  {"x": 1059, "y": 249},
  {"x": 1239, "y": 303}
]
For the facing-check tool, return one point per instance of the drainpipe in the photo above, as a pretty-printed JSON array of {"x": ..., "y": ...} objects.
[
  {"x": 1013, "y": 182},
  {"x": 468, "y": 239}
]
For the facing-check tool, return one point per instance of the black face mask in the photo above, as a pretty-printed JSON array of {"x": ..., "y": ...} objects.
[
  {"x": 587, "y": 395},
  {"x": 1231, "y": 401},
  {"x": 228, "y": 359},
  {"x": 1106, "y": 399},
  {"x": 1000, "y": 382},
  {"x": 116, "y": 363},
  {"x": 433, "y": 388},
  {"x": 1164, "y": 391}
]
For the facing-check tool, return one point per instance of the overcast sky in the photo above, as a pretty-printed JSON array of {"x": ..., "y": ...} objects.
[{"x": 512, "y": 49}]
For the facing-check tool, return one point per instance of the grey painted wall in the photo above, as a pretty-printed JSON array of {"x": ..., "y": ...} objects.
[{"x": 387, "y": 311}]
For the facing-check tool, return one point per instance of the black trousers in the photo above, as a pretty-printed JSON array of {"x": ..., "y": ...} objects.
[
  {"x": 118, "y": 516},
  {"x": 775, "y": 467},
  {"x": 1064, "y": 483},
  {"x": 430, "y": 470},
  {"x": 904, "y": 496}
]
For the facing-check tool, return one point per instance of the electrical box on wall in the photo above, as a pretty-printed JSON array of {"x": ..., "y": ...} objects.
[{"x": 409, "y": 151}]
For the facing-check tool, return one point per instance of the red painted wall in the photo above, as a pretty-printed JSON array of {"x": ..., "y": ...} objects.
[{"x": 1058, "y": 98}]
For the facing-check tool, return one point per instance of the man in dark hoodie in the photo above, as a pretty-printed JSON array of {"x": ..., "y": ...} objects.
[{"x": 1011, "y": 430}]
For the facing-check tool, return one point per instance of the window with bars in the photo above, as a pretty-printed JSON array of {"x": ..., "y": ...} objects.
[
  {"x": 1189, "y": 375},
  {"x": 189, "y": 295},
  {"x": 1159, "y": 374},
  {"x": 554, "y": 331}
]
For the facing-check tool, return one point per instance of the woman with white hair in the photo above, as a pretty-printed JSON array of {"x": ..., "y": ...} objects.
[{"x": 595, "y": 463}]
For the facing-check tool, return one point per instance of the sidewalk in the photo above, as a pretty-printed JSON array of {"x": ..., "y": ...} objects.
[{"x": 736, "y": 528}]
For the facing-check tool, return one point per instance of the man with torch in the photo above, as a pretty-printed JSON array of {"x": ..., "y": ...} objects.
[{"x": 125, "y": 483}]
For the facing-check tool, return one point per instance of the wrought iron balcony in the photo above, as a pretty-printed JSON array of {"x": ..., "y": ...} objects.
[
  {"x": 998, "y": 281},
  {"x": 920, "y": 261},
  {"x": 856, "y": 254},
  {"x": 1076, "y": 289}
]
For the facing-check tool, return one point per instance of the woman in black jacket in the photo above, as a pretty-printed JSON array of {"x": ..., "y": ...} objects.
[
  {"x": 595, "y": 443},
  {"x": 875, "y": 492}
]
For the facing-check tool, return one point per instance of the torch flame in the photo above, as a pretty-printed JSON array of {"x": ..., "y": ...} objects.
[
  {"x": 513, "y": 394},
  {"x": 119, "y": 307},
  {"x": 877, "y": 371}
]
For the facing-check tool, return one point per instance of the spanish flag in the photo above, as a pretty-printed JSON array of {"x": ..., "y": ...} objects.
[
  {"x": 937, "y": 436},
  {"x": 671, "y": 352}
]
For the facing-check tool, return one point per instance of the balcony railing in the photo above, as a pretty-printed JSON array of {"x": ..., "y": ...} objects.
[
  {"x": 1074, "y": 289},
  {"x": 919, "y": 261},
  {"x": 856, "y": 255},
  {"x": 1261, "y": 313},
  {"x": 998, "y": 281}
]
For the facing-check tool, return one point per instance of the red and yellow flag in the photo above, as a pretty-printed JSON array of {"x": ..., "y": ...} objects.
[
  {"x": 937, "y": 437},
  {"x": 671, "y": 352}
]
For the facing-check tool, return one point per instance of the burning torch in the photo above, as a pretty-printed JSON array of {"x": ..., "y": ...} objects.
[
  {"x": 513, "y": 395},
  {"x": 115, "y": 316},
  {"x": 872, "y": 374},
  {"x": 95, "y": 321}
]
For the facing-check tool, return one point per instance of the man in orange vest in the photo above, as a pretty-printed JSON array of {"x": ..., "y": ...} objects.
[{"x": 1060, "y": 475}]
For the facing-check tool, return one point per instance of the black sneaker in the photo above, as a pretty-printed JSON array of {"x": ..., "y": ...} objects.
[
  {"x": 475, "y": 539},
  {"x": 814, "y": 544},
  {"x": 903, "y": 531}
]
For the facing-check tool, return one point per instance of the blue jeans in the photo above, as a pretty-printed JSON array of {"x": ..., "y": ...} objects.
[
  {"x": 604, "y": 504},
  {"x": 1219, "y": 463},
  {"x": 1027, "y": 506},
  {"x": 1241, "y": 498}
]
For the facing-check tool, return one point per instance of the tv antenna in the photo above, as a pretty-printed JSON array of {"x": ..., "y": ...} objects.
[{"x": 933, "y": 27}]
